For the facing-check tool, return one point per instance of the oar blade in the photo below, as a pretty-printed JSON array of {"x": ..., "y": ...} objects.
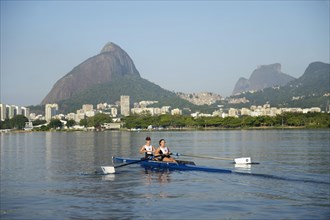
[
  {"x": 108, "y": 169},
  {"x": 243, "y": 160}
]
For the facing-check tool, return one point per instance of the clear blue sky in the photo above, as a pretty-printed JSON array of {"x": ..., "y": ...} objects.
[{"x": 182, "y": 46}]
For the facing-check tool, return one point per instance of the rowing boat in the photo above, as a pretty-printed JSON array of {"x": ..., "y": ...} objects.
[{"x": 159, "y": 165}]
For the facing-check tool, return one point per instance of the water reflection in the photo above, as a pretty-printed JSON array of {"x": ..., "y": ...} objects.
[
  {"x": 155, "y": 182},
  {"x": 160, "y": 176},
  {"x": 243, "y": 167},
  {"x": 109, "y": 177}
]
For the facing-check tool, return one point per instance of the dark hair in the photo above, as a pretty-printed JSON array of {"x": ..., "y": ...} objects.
[
  {"x": 148, "y": 138},
  {"x": 161, "y": 140}
]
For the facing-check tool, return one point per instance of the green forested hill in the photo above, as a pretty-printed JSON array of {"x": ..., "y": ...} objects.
[{"x": 136, "y": 87}]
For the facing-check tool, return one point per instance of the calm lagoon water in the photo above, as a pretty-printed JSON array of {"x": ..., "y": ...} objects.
[{"x": 51, "y": 175}]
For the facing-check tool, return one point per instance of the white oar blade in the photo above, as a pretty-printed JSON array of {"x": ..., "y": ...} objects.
[
  {"x": 243, "y": 160},
  {"x": 108, "y": 170}
]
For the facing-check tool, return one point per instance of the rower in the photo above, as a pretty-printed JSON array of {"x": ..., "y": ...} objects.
[
  {"x": 164, "y": 152},
  {"x": 148, "y": 149}
]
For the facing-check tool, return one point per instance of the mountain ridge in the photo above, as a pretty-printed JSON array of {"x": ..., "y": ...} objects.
[
  {"x": 262, "y": 77},
  {"x": 112, "y": 73},
  {"x": 309, "y": 90}
]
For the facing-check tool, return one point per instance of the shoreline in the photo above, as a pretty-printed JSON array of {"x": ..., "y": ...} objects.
[{"x": 6, "y": 131}]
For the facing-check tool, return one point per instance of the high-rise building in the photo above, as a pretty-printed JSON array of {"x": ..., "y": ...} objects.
[
  {"x": 26, "y": 112},
  {"x": 11, "y": 111},
  {"x": 124, "y": 105},
  {"x": 50, "y": 111},
  {"x": 113, "y": 112},
  {"x": 3, "y": 112}
]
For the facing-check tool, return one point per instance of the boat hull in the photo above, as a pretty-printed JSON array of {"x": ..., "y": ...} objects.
[{"x": 171, "y": 166}]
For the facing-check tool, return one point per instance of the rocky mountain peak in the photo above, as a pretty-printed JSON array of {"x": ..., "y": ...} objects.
[
  {"x": 262, "y": 77},
  {"x": 111, "y": 47},
  {"x": 275, "y": 67},
  {"x": 102, "y": 68}
]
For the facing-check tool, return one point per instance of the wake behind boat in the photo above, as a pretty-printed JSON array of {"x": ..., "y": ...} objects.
[{"x": 160, "y": 165}]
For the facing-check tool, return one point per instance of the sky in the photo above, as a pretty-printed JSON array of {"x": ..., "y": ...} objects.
[{"x": 182, "y": 46}]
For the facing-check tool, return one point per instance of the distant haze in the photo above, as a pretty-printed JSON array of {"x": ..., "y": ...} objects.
[{"x": 182, "y": 46}]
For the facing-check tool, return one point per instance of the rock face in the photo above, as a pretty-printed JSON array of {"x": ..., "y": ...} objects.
[
  {"x": 102, "y": 68},
  {"x": 264, "y": 76}
]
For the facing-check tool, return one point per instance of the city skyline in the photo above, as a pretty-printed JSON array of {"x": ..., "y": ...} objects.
[
  {"x": 141, "y": 108},
  {"x": 212, "y": 44}
]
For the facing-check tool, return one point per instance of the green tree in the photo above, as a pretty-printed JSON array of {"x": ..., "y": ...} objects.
[
  {"x": 17, "y": 122},
  {"x": 248, "y": 121},
  {"x": 294, "y": 121},
  {"x": 266, "y": 120},
  {"x": 39, "y": 122},
  {"x": 232, "y": 122},
  {"x": 213, "y": 121},
  {"x": 97, "y": 120},
  {"x": 70, "y": 123},
  {"x": 55, "y": 123},
  {"x": 83, "y": 122},
  {"x": 165, "y": 121},
  {"x": 5, "y": 124},
  {"x": 190, "y": 122},
  {"x": 42, "y": 128}
]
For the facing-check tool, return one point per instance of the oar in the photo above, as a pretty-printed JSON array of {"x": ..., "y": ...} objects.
[
  {"x": 111, "y": 169},
  {"x": 241, "y": 160}
]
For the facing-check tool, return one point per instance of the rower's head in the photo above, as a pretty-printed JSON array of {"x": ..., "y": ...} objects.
[
  {"x": 148, "y": 138},
  {"x": 161, "y": 142}
]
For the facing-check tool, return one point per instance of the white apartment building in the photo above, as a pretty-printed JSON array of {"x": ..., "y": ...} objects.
[
  {"x": 71, "y": 116},
  {"x": 87, "y": 107},
  {"x": 232, "y": 112},
  {"x": 314, "y": 109},
  {"x": 165, "y": 109},
  {"x": 101, "y": 106},
  {"x": 2, "y": 112},
  {"x": 176, "y": 111},
  {"x": 11, "y": 111},
  {"x": 26, "y": 112},
  {"x": 114, "y": 112},
  {"x": 79, "y": 116},
  {"x": 140, "y": 111},
  {"x": 245, "y": 111},
  {"x": 50, "y": 111},
  {"x": 124, "y": 105}
]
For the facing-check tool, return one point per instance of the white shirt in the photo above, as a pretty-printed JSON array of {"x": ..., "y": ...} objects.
[
  {"x": 148, "y": 149},
  {"x": 164, "y": 150}
]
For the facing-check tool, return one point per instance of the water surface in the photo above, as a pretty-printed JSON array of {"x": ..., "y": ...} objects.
[{"x": 51, "y": 175}]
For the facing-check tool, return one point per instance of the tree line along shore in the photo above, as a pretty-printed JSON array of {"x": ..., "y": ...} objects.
[{"x": 175, "y": 122}]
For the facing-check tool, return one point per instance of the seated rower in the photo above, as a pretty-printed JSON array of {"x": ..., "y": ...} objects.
[
  {"x": 148, "y": 149},
  {"x": 163, "y": 153}
]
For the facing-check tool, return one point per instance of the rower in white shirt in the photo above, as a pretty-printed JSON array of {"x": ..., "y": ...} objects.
[
  {"x": 148, "y": 149},
  {"x": 163, "y": 153}
]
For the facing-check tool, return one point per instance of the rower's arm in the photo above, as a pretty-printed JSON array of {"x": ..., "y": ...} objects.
[
  {"x": 142, "y": 150},
  {"x": 157, "y": 152}
]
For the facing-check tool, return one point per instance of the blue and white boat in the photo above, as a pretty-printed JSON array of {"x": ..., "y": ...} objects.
[{"x": 160, "y": 165}]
